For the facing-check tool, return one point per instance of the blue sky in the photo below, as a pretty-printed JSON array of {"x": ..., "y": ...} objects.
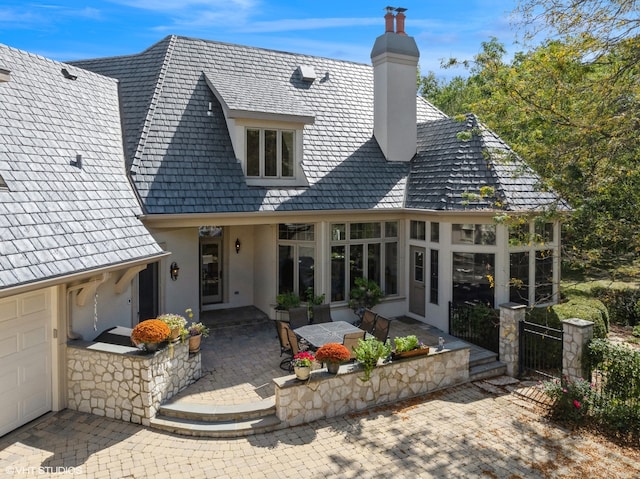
[{"x": 77, "y": 29}]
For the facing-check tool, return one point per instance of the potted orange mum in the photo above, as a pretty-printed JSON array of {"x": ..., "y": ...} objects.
[
  {"x": 150, "y": 333},
  {"x": 332, "y": 354}
]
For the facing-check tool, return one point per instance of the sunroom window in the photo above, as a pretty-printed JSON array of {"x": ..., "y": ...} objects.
[{"x": 270, "y": 153}]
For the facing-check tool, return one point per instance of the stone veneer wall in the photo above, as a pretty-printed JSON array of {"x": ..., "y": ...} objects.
[
  {"x": 325, "y": 395},
  {"x": 127, "y": 386}
]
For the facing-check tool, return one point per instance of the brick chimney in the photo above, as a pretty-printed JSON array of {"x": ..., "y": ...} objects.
[{"x": 395, "y": 58}]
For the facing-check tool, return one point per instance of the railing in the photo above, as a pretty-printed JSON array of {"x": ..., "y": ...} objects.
[
  {"x": 476, "y": 324},
  {"x": 540, "y": 350}
]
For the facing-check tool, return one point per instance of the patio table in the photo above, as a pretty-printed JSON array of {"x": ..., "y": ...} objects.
[{"x": 332, "y": 332}]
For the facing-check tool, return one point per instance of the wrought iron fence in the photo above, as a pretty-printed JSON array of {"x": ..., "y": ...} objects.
[
  {"x": 475, "y": 323},
  {"x": 540, "y": 351}
]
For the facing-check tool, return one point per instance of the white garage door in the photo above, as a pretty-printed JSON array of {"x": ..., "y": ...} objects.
[{"x": 25, "y": 358}]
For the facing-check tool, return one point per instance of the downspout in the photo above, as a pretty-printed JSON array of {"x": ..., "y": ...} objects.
[{"x": 95, "y": 284}]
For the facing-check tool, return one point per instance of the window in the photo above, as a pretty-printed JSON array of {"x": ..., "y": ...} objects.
[
  {"x": 519, "y": 277},
  {"x": 418, "y": 230},
  {"x": 433, "y": 287},
  {"x": 435, "y": 232},
  {"x": 544, "y": 232},
  {"x": 473, "y": 275},
  {"x": 544, "y": 276},
  {"x": 368, "y": 250},
  {"x": 270, "y": 153},
  {"x": 296, "y": 259},
  {"x": 477, "y": 234}
]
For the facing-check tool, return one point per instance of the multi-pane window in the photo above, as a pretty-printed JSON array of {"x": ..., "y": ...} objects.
[
  {"x": 475, "y": 234},
  {"x": 544, "y": 232},
  {"x": 418, "y": 230},
  {"x": 270, "y": 153},
  {"x": 473, "y": 276},
  {"x": 296, "y": 259},
  {"x": 435, "y": 232},
  {"x": 544, "y": 276},
  {"x": 369, "y": 250}
]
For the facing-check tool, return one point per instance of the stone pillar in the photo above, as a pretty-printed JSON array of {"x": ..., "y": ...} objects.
[
  {"x": 511, "y": 314},
  {"x": 576, "y": 334}
]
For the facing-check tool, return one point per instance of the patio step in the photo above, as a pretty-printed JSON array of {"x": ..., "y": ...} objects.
[
  {"x": 487, "y": 370},
  {"x": 481, "y": 356},
  {"x": 219, "y": 421}
]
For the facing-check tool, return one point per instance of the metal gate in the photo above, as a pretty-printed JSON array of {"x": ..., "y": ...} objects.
[
  {"x": 475, "y": 323},
  {"x": 540, "y": 351}
]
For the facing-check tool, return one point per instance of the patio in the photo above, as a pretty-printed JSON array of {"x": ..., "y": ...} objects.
[{"x": 241, "y": 356}]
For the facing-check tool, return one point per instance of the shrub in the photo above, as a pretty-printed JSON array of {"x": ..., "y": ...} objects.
[
  {"x": 572, "y": 400},
  {"x": 365, "y": 294},
  {"x": 622, "y": 304}
]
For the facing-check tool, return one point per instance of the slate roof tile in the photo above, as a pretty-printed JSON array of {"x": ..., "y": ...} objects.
[
  {"x": 175, "y": 151},
  {"x": 52, "y": 209}
]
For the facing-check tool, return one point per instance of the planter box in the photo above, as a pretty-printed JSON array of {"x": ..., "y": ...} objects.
[{"x": 410, "y": 354}]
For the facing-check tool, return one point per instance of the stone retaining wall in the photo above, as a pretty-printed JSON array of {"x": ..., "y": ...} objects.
[
  {"x": 325, "y": 395},
  {"x": 127, "y": 386}
]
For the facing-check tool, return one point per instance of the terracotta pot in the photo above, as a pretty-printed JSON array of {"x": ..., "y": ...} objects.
[
  {"x": 194, "y": 343},
  {"x": 302, "y": 372},
  {"x": 333, "y": 368},
  {"x": 175, "y": 335}
]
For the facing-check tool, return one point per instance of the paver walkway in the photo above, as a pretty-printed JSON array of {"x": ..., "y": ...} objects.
[{"x": 464, "y": 431}]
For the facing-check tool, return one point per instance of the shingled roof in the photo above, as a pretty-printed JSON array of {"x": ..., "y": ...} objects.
[
  {"x": 181, "y": 160},
  {"x": 66, "y": 205}
]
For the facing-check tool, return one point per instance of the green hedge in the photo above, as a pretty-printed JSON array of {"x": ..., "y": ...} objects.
[
  {"x": 577, "y": 304},
  {"x": 623, "y": 304}
]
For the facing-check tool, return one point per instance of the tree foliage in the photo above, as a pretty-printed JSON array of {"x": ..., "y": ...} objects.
[{"x": 571, "y": 108}]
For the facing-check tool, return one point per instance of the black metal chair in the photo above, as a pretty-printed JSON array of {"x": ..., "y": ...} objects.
[
  {"x": 381, "y": 330},
  {"x": 295, "y": 346},
  {"x": 298, "y": 317},
  {"x": 368, "y": 321},
  {"x": 321, "y": 313}
]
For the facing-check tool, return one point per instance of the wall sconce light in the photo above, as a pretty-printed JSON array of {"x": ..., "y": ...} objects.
[
  {"x": 237, "y": 245},
  {"x": 210, "y": 110},
  {"x": 174, "y": 270}
]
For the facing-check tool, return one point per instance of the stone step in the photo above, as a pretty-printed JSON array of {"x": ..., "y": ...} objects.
[
  {"x": 217, "y": 420},
  {"x": 481, "y": 356},
  {"x": 218, "y": 412},
  {"x": 217, "y": 429},
  {"x": 487, "y": 370}
]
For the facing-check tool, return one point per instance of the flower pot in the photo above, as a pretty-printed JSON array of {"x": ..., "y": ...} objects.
[
  {"x": 151, "y": 347},
  {"x": 194, "y": 343},
  {"x": 175, "y": 335},
  {"x": 409, "y": 354},
  {"x": 332, "y": 368},
  {"x": 302, "y": 372}
]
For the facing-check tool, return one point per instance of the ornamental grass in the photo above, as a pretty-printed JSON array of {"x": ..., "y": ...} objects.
[
  {"x": 150, "y": 331},
  {"x": 332, "y": 353}
]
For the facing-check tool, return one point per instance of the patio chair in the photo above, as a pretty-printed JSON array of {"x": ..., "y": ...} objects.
[
  {"x": 368, "y": 321},
  {"x": 295, "y": 346},
  {"x": 298, "y": 317},
  {"x": 381, "y": 330},
  {"x": 285, "y": 345},
  {"x": 352, "y": 340},
  {"x": 321, "y": 313}
]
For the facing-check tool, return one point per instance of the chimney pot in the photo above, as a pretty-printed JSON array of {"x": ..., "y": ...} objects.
[
  {"x": 389, "y": 20},
  {"x": 400, "y": 17}
]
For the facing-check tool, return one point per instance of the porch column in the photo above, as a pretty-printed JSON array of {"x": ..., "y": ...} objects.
[
  {"x": 511, "y": 314},
  {"x": 576, "y": 335}
]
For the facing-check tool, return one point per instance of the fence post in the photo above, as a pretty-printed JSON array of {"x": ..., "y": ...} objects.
[
  {"x": 576, "y": 334},
  {"x": 511, "y": 314}
]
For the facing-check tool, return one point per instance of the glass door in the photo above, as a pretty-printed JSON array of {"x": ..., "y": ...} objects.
[{"x": 211, "y": 270}]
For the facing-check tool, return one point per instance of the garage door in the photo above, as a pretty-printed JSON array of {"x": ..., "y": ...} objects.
[{"x": 25, "y": 358}]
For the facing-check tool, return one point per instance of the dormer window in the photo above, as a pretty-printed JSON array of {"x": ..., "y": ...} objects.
[{"x": 270, "y": 153}]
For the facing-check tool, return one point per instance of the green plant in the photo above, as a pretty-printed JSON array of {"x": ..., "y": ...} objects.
[
  {"x": 406, "y": 343},
  {"x": 198, "y": 328},
  {"x": 173, "y": 320},
  {"x": 572, "y": 399},
  {"x": 365, "y": 294},
  {"x": 636, "y": 331},
  {"x": 303, "y": 359},
  {"x": 311, "y": 298},
  {"x": 368, "y": 352},
  {"x": 287, "y": 300}
]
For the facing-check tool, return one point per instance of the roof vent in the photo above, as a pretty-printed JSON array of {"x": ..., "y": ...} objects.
[
  {"x": 5, "y": 75},
  {"x": 307, "y": 73},
  {"x": 68, "y": 75},
  {"x": 77, "y": 162}
]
